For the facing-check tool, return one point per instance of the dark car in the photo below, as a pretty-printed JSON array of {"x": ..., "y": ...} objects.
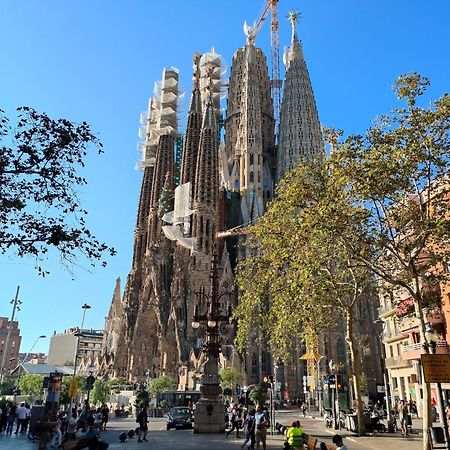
[{"x": 179, "y": 417}]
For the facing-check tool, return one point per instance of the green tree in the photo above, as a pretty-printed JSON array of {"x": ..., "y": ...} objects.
[
  {"x": 117, "y": 384},
  {"x": 258, "y": 395},
  {"x": 82, "y": 388},
  {"x": 31, "y": 384},
  {"x": 161, "y": 384},
  {"x": 398, "y": 170},
  {"x": 304, "y": 277},
  {"x": 142, "y": 399},
  {"x": 39, "y": 184},
  {"x": 230, "y": 377},
  {"x": 100, "y": 392}
]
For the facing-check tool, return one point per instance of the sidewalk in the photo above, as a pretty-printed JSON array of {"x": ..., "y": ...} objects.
[{"x": 161, "y": 439}]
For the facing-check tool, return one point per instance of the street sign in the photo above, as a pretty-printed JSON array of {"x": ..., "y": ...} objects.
[{"x": 436, "y": 368}]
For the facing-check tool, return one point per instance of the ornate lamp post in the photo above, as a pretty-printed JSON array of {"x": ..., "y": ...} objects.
[
  {"x": 209, "y": 412},
  {"x": 432, "y": 338}
]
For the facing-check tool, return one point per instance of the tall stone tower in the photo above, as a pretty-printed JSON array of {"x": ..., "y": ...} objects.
[
  {"x": 300, "y": 137},
  {"x": 249, "y": 131},
  {"x": 145, "y": 326}
]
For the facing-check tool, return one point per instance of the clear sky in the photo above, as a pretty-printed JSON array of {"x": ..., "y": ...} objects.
[{"x": 97, "y": 61}]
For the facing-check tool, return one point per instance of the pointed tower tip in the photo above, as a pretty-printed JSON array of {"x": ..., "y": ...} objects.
[
  {"x": 295, "y": 50},
  {"x": 294, "y": 17}
]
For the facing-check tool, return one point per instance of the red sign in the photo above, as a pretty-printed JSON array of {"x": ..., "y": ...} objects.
[{"x": 286, "y": 394}]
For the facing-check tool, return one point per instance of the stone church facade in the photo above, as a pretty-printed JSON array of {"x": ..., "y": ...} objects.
[{"x": 189, "y": 193}]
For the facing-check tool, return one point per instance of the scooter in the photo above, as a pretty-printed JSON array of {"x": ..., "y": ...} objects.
[
  {"x": 328, "y": 418},
  {"x": 374, "y": 423}
]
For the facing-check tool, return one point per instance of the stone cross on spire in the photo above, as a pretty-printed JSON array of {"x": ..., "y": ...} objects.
[{"x": 294, "y": 17}]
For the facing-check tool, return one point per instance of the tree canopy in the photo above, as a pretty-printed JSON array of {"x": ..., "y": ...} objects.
[
  {"x": 31, "y": 384},
  {"x": 375, "y": 209},
  {"x": 40, "y": 161},
  {"x": 161, "y": 384}
]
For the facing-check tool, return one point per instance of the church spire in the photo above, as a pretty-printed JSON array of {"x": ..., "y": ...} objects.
[
  {"x": 300, "y": 133},
  {"x": 194, "y": 123}
]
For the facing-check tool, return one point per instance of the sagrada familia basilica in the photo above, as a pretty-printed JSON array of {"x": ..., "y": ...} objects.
[{"x": 218, "y": 175}]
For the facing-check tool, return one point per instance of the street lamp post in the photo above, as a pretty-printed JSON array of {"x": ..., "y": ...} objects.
[
  {"x": 85, "y": 307},
  {"x": 432, "y": 338},
  {"x": 209, "y": 412},
  {"x": 385, "y": 375},
  {"x": 29, "y": 351}
]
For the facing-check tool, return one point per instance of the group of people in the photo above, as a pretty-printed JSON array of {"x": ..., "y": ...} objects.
[
  {"x": 90, "y": 420},
  {"x": 12, "y": 416},
  {"x": 254, "y": 423}
]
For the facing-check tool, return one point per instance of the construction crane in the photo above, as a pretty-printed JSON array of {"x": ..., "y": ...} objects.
[
  {"x": 251, "y": 33},
  {"x": 236, "y": 231}
]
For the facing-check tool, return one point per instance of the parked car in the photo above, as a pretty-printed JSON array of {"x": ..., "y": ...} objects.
[{"x": 179, "y": 417}]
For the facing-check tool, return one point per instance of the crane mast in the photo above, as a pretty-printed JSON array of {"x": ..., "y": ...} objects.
[
  {"x": 276, "y": 80},
  {"x": 251, "y": 32}
]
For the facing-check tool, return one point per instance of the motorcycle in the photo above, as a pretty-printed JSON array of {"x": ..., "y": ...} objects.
[
  {"x": 374, "y": 423},
  {"x": 328, "y": 418}
]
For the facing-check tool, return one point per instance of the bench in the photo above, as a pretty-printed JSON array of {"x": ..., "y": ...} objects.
[{"x": 310, "y": 441}]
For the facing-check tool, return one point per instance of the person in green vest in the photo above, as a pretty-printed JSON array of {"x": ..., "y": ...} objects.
[{"x": 294, "y": 435}]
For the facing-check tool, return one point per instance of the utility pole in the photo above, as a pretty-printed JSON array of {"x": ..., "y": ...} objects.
[{"x": 16, "y": 302}]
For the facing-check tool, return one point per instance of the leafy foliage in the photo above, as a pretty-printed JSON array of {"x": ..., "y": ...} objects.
[
  {"x": 258, "y": 395},
  {"x": 100, "y": 392},
  {"x": 31, "y": 385},
  {"x": 161, "y": 384},
  {"x": 117, "y": 384},
  {"x": 230, "y": 377},
  {"x": 39, "y": 183}
]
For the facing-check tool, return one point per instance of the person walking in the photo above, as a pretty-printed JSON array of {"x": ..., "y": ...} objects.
[
  {"x": 403, "y": 413},
  {"x": 57, "y": 436},
  {"x": 11, "y": 419},
  {"x": 233, "y": 419},
  {"x": 249, "y": 429},
  {"x": 142, "y": 419},
  {"x": 261, "y": 423},
  {"x": 105, "y": 416}
]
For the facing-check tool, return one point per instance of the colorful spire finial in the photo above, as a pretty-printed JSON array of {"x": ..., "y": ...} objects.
[{"x": 294, "y": 17}]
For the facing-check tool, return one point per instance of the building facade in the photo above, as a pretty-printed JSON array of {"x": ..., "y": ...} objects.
[
  {"x": 63, "y": 346},
  {"x": 227, "y": 169},
  {"x": 9, "y": 351}
]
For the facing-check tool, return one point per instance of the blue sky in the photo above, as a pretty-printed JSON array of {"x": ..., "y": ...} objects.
[{"x": 97, "y": 61}]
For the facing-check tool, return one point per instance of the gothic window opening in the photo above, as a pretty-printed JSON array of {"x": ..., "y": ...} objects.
[{"x": 251, "y": 177}]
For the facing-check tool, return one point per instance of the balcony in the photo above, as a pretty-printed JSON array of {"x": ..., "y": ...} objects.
[
  {"x": 396, "y": 361},
  {"x": 386, "y": 309},
  {"x": 413, "y": 351},
  {"x": 434, "y": 317}
]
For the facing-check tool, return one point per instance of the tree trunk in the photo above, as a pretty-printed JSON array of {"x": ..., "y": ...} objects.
[
  {"x": 426, "y": 402},
  {"x": 355, "y": 371}
]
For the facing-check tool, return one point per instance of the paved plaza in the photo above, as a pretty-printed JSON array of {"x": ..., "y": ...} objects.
[{"x": 161, "y": 439}]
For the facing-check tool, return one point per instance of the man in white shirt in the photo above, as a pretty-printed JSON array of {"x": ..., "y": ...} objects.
[{"x": 22, "y": 414}]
